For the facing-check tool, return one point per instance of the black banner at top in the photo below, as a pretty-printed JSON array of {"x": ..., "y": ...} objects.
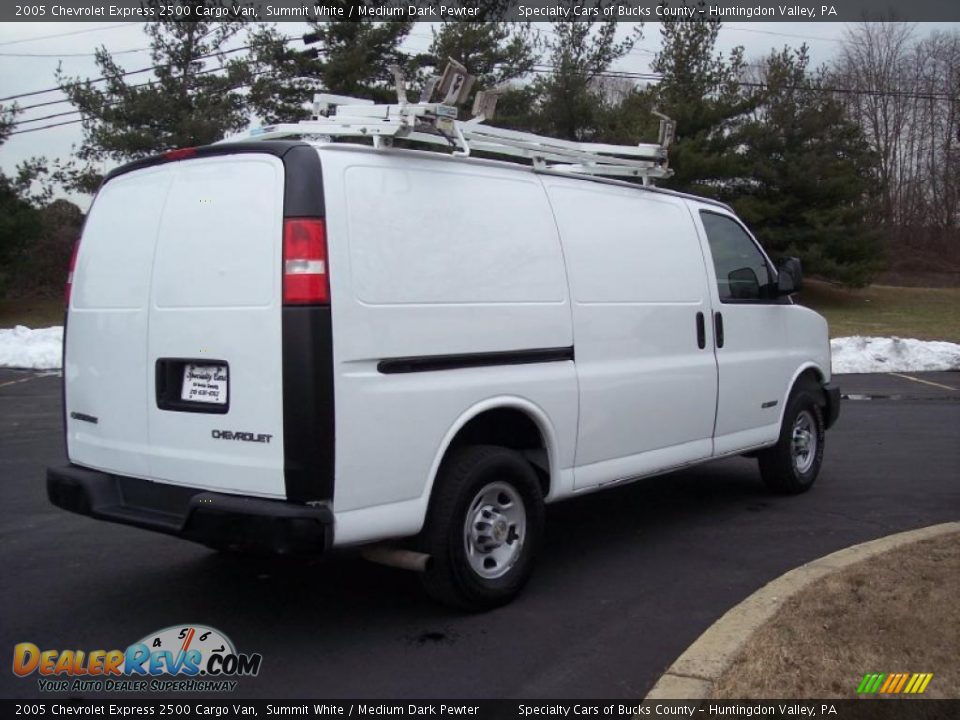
[{"x": 477, "y": 10}]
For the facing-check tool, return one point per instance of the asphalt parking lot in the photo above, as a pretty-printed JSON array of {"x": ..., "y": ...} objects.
[{"x": 628, "y": 578}]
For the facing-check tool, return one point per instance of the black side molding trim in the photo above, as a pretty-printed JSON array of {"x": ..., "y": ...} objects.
[{"x": 431, "y": 363}]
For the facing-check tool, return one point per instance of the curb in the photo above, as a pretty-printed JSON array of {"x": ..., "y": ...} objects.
[{"x": 693, "y": 674}]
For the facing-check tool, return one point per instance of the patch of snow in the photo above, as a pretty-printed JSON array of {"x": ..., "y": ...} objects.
[
  {"x": 874, "y": 354},
  {"x": 38, "y": 349}
]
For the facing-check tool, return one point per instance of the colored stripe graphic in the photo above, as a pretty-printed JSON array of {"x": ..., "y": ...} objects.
[
  {"x": 903, "y": 681},
  {"x": 894, "y": 683}
]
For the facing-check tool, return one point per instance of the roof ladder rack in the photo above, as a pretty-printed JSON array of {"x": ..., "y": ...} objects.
[{"x": 437, "y": 124}]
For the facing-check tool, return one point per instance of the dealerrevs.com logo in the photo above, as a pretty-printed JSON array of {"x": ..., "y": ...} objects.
[{"x": 181, "y": 658}]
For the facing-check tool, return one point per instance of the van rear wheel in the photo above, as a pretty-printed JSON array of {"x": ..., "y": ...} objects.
[
  {"x": 791, "y": 466},
  {"x": 483, "y": 529}
]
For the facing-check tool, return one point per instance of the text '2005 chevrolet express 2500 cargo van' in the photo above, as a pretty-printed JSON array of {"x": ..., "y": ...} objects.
[{"x": 292, "y": 345}]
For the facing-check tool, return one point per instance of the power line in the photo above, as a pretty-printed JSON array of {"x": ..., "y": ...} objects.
[
  {"x": 118, "y": 75},
  {"x": 137, "y": 72},
  {"x": 118, "y": 102},
  {"x": 48, "y": 103},
  {"x": 18, "y": 123},
  {"x": 840, "y": 91},
  {"x": 780, "y": 34},
  {"x": 147, "y": 69},
  {"x": 135, "y": 85},
  {"x": 539, "y": 69},
  {"x": 549, "y": 70},
  {"x": 58, "y": 102},
  {"x": 63, "y": 55},
  {"x": 542, "y": 70},
  {"x": 58, "y": 35},
  {"x": 45, "y": 127},
  {"x": 45, "y": 117},
  {"x": 552, "y": 69},
  {"x": 84, "y": 54}
]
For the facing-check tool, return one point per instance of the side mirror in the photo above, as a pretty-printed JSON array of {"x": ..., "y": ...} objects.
[{"x": 789, "y": 276}]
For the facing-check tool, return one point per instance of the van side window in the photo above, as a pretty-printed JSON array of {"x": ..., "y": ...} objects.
[{"x": 742, "y": 271}]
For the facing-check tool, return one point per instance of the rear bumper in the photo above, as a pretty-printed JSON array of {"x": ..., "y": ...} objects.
[
  {"x": 214, "y": 519},
  {"x": 832, "y": 393}
]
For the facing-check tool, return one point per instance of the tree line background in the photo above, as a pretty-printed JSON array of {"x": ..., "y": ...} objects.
[{"x": 853, "y": 166}]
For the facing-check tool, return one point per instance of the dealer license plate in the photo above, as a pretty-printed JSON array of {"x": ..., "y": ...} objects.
[{"x": 205, "y": 383}]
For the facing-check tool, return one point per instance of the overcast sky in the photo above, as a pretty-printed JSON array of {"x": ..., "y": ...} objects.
[{"x": 27, "y": 64}]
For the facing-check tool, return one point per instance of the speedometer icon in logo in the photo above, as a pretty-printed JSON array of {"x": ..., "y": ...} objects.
[
  {"x": 184, "y": 638},
  {"x": 192, "y": 650}
]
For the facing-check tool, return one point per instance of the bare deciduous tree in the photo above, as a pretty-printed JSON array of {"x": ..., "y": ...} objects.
[{"x": 905, "y": 93}]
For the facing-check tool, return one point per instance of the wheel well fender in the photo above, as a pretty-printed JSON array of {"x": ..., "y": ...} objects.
[
  {"x": 475, "y": 421},
  {"x": 807, "y": 370}
]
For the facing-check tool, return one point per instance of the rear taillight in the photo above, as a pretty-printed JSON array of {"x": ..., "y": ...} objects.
[
  {"x": 305, "y": 273},
  {"x": 70, "y": 269}
]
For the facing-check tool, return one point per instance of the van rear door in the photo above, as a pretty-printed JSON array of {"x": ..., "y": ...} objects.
[
  {"x": 105, "y": 371},
  {"x": 214, "y": 376},
  {"x": 175, "y": 335}
]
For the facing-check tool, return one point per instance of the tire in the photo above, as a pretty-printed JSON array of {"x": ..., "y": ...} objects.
[
  {"x": 789, "y": 467},
  {"x": 484, "y": 528}
]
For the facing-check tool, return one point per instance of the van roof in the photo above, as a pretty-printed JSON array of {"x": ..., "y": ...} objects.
[
  {"x": 357, "y": 147},
  {"x": 277, "y": 148}
]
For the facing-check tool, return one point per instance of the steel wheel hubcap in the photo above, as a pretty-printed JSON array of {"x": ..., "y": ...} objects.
[
  {"x": 494, "y": 530},
  {"x": 804, "y": 444}
]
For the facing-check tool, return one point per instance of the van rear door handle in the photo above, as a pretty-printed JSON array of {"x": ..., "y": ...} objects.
[
  {"x": 718, "y": 328},
  {"x": 701, "y": 331}
]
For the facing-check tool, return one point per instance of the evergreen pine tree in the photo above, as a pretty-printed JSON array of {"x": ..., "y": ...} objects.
[
  {"x": 808, "y": 187},
  {"x": 579, "y": 52},
  {"x": 345, "y": 58},
  {"x": 495, "y": 52},
  {"x": 192, "y": 98},
  {"x": 701, "y": 91}
]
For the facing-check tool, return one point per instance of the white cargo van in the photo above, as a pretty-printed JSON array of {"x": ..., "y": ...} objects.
[{"x": 293, "y": 346}]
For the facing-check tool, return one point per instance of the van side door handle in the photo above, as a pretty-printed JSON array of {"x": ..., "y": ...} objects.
[
  {"x": 701, "y": 331},
  {"x": 718, "y": 328}
]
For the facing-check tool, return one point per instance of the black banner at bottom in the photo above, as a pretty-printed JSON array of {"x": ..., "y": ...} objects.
[{"x": 867, "y": 709}]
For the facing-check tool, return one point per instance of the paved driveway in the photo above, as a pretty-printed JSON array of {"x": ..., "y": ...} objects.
[{"x": 628, "y": 578}]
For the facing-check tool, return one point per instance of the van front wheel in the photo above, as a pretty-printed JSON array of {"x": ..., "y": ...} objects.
[
  {"x": 483, "y": 529},
  {"x": 791, "y": 466}
]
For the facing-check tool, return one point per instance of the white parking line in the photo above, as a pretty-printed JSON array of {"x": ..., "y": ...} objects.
[
  {"x": 924, "y": 382},
  {"x": 21, "y": 380}
]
